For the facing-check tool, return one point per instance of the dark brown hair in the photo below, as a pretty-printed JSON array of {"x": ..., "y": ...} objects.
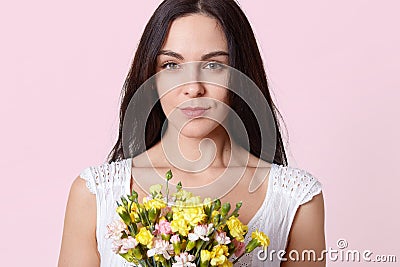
[{"x": 244, "y": 56}]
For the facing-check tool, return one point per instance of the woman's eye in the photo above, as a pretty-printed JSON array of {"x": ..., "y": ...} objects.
[
  {"x": 170, "y": 66},
  {"x": 213, "y": 66}
]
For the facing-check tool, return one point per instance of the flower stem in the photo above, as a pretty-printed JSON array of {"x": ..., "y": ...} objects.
[{"x": 238, "y": 258}]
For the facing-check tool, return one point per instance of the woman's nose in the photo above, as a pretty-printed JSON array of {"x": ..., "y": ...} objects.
[
  {"x": 192, "y": 72},
  {"x": 195, "y": 89}
]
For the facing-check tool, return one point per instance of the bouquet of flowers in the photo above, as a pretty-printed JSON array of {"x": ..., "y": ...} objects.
[{"x": 180, "y": 231}]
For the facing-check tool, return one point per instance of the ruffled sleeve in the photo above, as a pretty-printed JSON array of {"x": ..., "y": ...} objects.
[
  {"x": 87, "y": 175},
  {"x": 298, "y": 184},
  {"x": 311, "y": 187}
]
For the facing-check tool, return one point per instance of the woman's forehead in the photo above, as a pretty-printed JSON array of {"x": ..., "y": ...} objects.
[{"x": 195, "y": 34}]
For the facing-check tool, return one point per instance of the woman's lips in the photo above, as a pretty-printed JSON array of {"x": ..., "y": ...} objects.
[{"x": 194, "y": 112}]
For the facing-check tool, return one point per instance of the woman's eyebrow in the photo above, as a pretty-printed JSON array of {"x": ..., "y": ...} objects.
[
  {"x": 214, "y": 54},
  {"x": 203, "y": 57}
]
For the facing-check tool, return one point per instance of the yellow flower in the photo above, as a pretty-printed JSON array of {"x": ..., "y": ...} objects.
[
  {"x": 205, "y": 255},
  {"x": 179, "y": 224},
  {"x": 123, "y": 213},
  {"x": 121, "y": 209},
  {"x": 155, "y": 189},
  {"x": 207, "y": 202},
  {"x": 134, "y": 216},
  {"x": 134, "y": 212},
  {"x": 194, "y": 215},
  {"x": 193, "y": 201},
  {"x": 154, "y": 203},
  {"x": 145, "y": 237},
  {"x": 182, "y": 195},
  {"x": 214, "y": 213},
  {"x": 134, "y": 206},
  {"x": 261, "y": 237},
  {"x": 236, "y": 228},
  {"x": 219, "y": 255},
  {"x": 192, "y": 211}
]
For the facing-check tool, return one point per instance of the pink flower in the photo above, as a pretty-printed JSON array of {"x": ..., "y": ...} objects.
[
  {"x": 200, "y": 231},
  {"x": 162, "y": 247},
  {"x": 184, "y": 260},
  {"x": 163, "y": 227},
  {"x": 115, "y": 229},
  {"x": 175, "y": 239},
  {"x": 117, "y": 244},
  {"x": 127, "y": 244},
  {"x": 239, "y": 247},
  {"x": 221, "y": 238}
]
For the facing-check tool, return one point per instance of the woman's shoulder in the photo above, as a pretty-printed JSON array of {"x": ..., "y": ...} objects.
[
  {"x": 105, "y": 174},
  {"x": 296, "y": 183}
]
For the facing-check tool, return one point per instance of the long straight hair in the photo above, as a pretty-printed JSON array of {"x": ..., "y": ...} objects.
[{"x": 244, "y": 56}]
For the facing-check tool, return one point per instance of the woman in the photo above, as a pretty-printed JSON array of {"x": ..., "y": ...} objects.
[{"x": 196, "y": 130}]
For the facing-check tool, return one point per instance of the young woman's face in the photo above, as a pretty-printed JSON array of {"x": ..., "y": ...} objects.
[{"x": 195, "y": 50}]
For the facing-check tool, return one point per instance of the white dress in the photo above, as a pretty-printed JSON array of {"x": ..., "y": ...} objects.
[{"x": 288, "y": 187}]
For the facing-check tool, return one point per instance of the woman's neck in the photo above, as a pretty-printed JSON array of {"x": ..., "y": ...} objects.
[{"x": 194, "y": 154}]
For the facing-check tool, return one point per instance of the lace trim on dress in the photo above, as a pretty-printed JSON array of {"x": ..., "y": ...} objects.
[
  {"x": 315, "y": 189},
  {"x": 86, "y": 174},
  {"x": 297, "y": 183},
  {"x": 105, "y": 175}
]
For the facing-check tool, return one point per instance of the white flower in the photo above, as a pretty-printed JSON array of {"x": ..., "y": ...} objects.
[
  {"x": 117, "y": 244},
  {"x": 128, "y": 243},
  {"x": 175, "y": 239},
  {"x": 221, "y": 238},
  {"x": 115, "y": 229},
  {"x": 184, "y": 260},
  {"x": 162, "y": 247},
  {"x": 200, "y": 231}
]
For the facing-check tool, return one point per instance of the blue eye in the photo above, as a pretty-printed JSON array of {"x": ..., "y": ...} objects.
[
  {"x": 170, "y": 66},
  {"x": 214, "y": 66}
]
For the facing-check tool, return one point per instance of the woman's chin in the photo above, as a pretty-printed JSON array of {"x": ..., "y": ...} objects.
[
  {"x": 197, "y": 133},
  {"x": 198, "y": 129}
]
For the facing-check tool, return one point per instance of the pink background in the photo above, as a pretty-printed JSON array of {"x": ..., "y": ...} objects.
[{"x": 333, "y": 68}]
